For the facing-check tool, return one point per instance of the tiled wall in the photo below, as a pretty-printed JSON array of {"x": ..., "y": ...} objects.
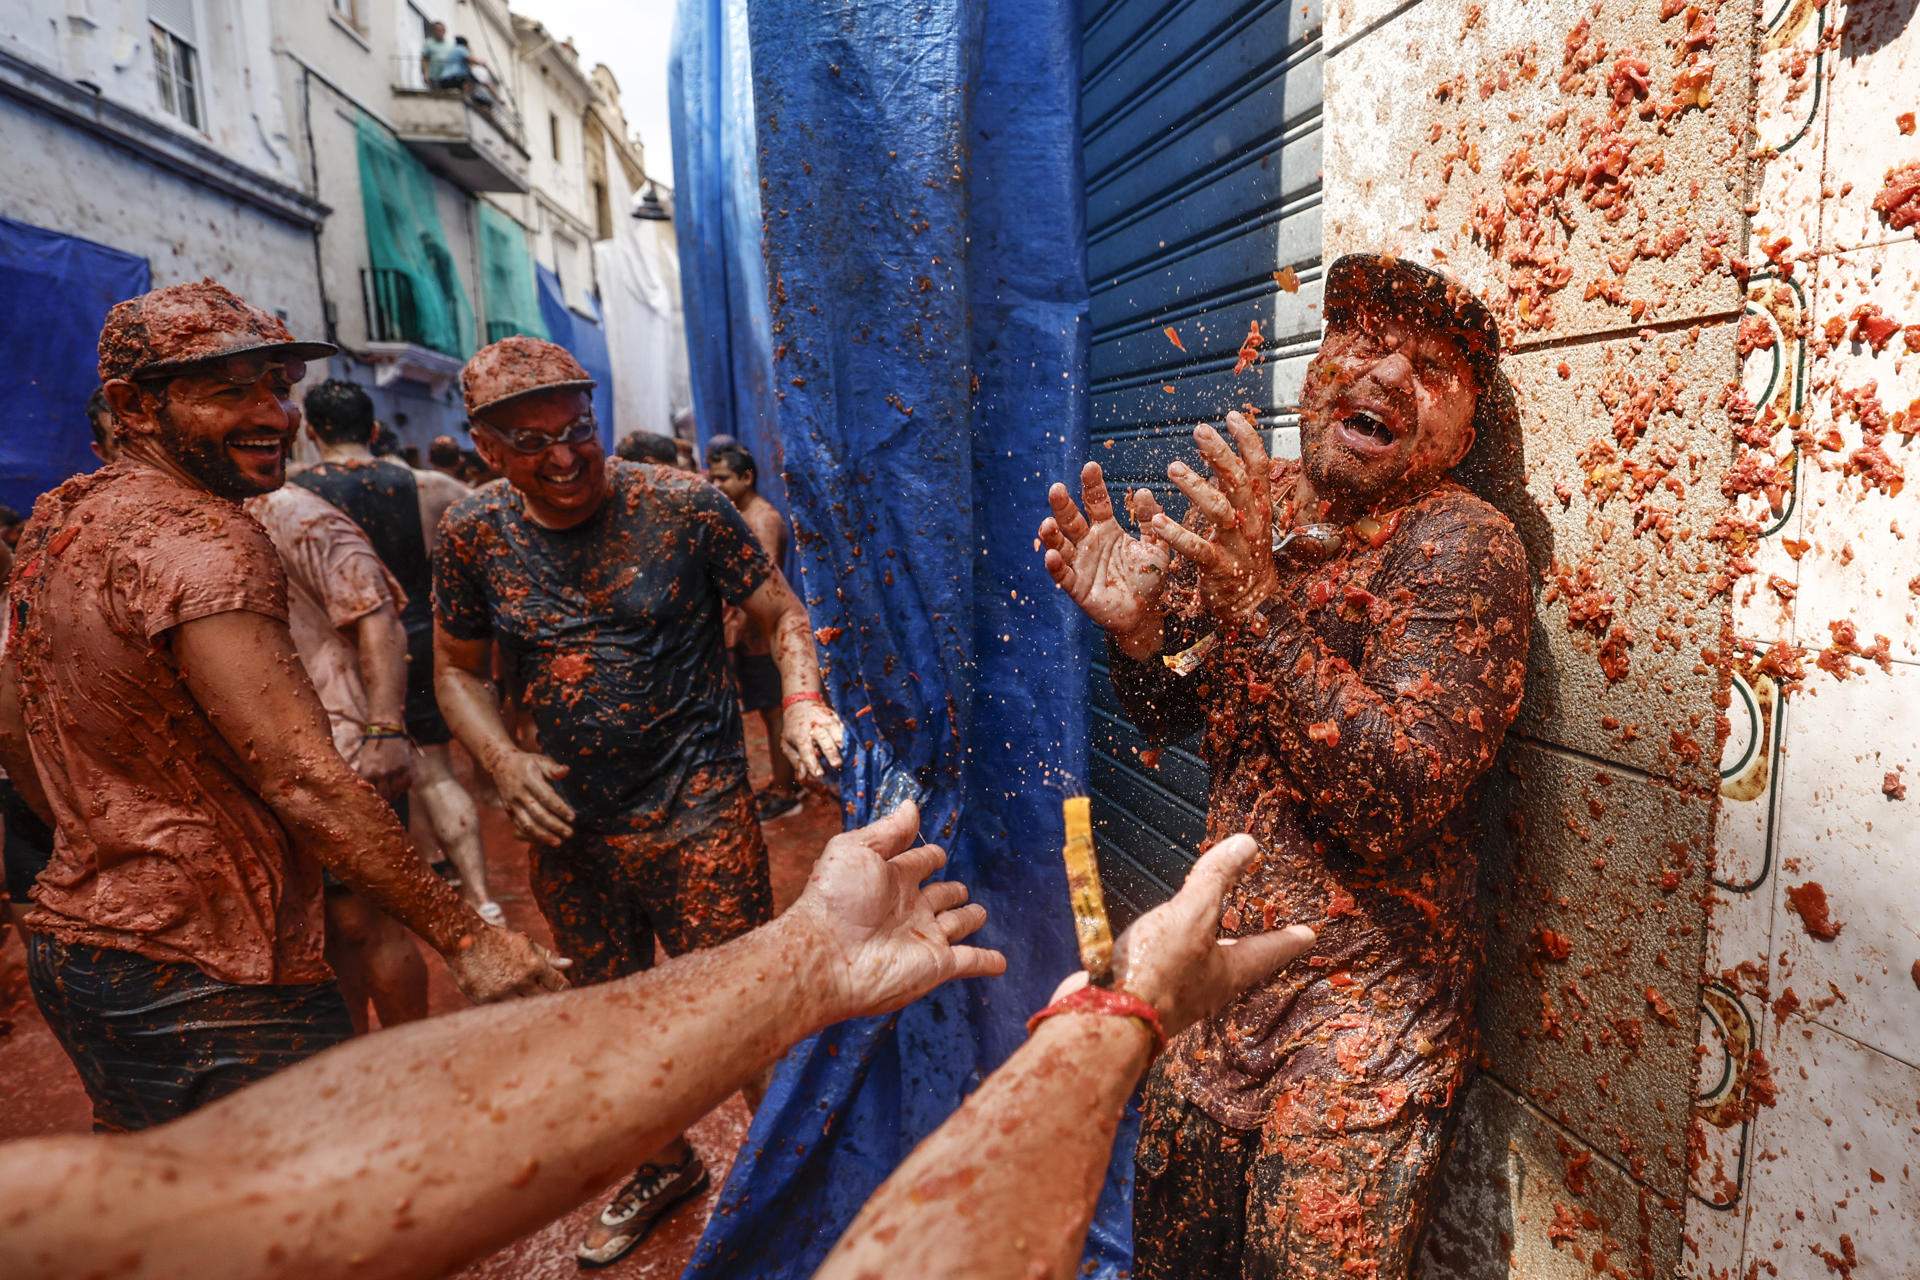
[
  {"x": 1825, "y": 1179},
  {"x": 1592, "y": 169}
]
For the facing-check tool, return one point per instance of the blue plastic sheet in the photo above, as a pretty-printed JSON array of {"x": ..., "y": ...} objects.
[
  {"x": 923, "y": 237},
  {"x": 55, "y": 292},
  {"x": 586, "y": 339},
  {"x": 723, "y": 278}
]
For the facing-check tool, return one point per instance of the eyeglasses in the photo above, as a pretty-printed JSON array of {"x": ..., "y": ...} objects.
[
  {"x": 241, "y": 370},
  {"x": 524, "y": 440}
]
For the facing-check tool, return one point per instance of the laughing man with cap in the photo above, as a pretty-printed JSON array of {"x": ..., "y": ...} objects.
[
  {"x": 1350, "y": 684},
  {"x": 602, "y": 581},
  {"x": 152, "y": 704}
]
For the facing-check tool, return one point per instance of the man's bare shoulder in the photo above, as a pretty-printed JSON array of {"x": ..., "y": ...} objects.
[{"x": 768, "y": 525}]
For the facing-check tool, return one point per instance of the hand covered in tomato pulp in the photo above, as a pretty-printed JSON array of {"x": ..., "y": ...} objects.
[
  {"x": 498, "y": 964},
  {"x": 1115, "y": 578},
  {"x": 889, "y": 938},
  {"x": 525, "y": 780},
  {"x": 1235, "y": 555},
  {"x": 810, "y": 734}
]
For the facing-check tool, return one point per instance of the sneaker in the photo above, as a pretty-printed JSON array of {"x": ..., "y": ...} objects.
[
  {"x": 643, "y": 1201},
  {"x": 493, "y": 913},
  {"x": 775, "y": 805}
]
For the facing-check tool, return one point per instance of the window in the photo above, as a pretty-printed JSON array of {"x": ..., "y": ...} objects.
[
  {"x": 176, "y": 71},
  {"x": 553, "y": 133},
  {"x": 347, "y": 11}
]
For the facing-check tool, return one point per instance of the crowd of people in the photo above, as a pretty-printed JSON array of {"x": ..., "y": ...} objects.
[{"x": 235, "y": 698}]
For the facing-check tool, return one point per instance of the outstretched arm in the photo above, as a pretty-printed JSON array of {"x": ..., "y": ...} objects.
[
  {"x": 242, "y": 669},
  {"x": 415, "y": 1151},
  {"x": 1006, "y": 1187}
]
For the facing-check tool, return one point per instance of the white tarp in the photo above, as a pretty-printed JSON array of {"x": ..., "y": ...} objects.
[{"x": 639, "y": 272}]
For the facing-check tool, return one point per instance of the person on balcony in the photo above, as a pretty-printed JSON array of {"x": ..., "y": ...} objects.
[{"x": 450, "y": 64}]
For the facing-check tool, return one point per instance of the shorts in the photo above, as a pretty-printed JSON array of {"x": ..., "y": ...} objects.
[
  {"x": 424, "y": 723},
  {"x": 696, "y": 881},
  {"x": 759, "y": 678},
  {"x": 29, "y": 844},
  {"x": 154, "y": 1040},
  {"x": 1252, "y": 1205}
]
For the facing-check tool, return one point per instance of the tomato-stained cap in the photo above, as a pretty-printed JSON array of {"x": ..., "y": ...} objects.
[
  {"x": 515, "y": 367},
  {"x": 173, "y": 329},
  {"x": 1359, "y": 284}
]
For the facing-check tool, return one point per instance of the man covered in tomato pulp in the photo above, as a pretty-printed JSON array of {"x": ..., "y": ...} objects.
[
  {"x": 602, "y": 582},
  {"x": 1348, "y": 635}
]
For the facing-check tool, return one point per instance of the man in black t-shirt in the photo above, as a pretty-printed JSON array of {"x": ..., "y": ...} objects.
[{"x": 602, "y": 582}]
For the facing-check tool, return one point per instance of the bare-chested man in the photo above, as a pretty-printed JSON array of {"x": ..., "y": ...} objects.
[
  {"x": 734, "y": 472},
  {"x": 1346, "y": 704},
  {"x": 152, "y": 703},
  {"x": 399, "y": 508}
]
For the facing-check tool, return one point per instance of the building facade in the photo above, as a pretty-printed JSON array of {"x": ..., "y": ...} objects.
[{"x": 299, "y": 154}]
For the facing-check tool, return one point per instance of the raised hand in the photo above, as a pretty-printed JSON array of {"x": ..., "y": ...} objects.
[
  {"x": 1173, "y": 957},
  {"x": 1235, "y": 556},
  {"x": 891, "y": 938},
  {"x": 1115, "y": 578}
]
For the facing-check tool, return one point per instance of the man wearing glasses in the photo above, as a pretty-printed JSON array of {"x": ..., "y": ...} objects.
[
  {"x": 602, "y": 581},
  {"x": 153, "y": 708}
]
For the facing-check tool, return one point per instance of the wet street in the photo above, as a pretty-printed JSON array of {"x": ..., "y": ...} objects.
[{"x": 40, "y": 1094}]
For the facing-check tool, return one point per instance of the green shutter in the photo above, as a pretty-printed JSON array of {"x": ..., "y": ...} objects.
[
  {"x": 415, "y": 284},
  {"x": 506, "y": 266}
]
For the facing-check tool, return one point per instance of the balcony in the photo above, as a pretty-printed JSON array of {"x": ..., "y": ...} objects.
[
  {"x": 472, "y": 145},
  {"x": 396, "y": 338}
]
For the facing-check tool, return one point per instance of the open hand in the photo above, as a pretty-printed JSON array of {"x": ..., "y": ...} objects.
[
  {"x": 810, "y": 735},
  {"x": 525, "y": 780},
  {"x": 1235, "y": 558},
  {"x": 1173, "y": 957},
  {"x": 1115, "y": 578},
  {"x": 498, "y": 964},
  {"x": 890, "y": 939}
]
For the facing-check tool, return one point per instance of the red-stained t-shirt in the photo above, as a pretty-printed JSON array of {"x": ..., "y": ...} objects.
[
  {"x": 1343, "y": 738},
  {"x": 162, "y": 848},
  {"x": 612, "y": 631}
]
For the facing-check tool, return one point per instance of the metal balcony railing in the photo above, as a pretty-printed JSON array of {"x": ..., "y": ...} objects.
[
  {"x": 392, "y": 313},
  {"x": 498, "y": 329},
  {"x": 486, "y": 95}
]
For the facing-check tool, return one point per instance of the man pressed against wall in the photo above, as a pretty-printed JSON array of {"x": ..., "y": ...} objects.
[
  {"x": 603, "y": 581},
  {"x": 1347, "y": 702},
  {"x": 152, "y": 703}
]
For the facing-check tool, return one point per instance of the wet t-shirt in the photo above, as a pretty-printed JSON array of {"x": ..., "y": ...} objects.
[
  {"x": 612, "y": 631},
  {"x": 162, "y": 848},
  {"x": 1343, "y": 731}
]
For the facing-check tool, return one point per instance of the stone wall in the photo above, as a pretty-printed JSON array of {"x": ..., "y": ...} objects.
[{"x": 1586, "y": 168}]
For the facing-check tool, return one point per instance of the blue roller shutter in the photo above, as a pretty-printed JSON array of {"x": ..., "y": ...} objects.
[{"x": 1201, "y": 123}]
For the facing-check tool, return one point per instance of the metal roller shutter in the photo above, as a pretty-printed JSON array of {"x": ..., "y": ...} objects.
[{"x": 1201, "y": 125}]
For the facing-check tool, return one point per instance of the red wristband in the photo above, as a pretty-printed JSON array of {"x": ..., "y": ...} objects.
[
  {"x": 805, "y": 695},
  {"x": 1106, "y": 1000}
]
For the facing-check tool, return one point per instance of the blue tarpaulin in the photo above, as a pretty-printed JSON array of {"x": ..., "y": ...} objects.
[
  {"x": 586, "y": 339},
  {"x": 55, "y": 291},
  {"x": 928, "y": 320}
]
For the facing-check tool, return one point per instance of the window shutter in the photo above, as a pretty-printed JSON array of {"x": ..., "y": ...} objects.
[{"x": 176, "y": 16}]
